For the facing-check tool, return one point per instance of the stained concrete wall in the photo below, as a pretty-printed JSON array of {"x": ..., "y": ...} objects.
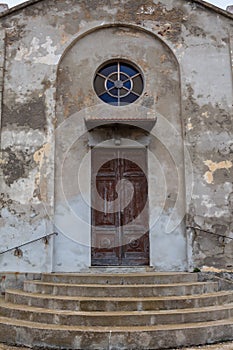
[{"x": 51, "y": 53}]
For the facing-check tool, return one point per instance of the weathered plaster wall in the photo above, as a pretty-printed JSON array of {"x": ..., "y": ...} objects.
[
  {"x": 207, "y": 114},
  {"x": 37, "y": 37}
]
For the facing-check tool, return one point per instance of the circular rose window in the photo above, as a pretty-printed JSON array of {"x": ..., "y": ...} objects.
[{"x": 118, "y": 83}]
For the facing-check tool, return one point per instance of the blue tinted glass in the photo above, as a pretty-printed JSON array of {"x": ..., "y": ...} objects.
[
  {"x": 128, "y": 99},
  {"x": 110, "y": 84},
  {"x": 127, "y": 84},
  {"x": 128, "y": 70},
  {"x": 108, "y": 69},
  {"x": 109, "y": 99}
]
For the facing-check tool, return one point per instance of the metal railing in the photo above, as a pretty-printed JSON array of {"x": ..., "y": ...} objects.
[
  {"x": 212, "y": 233},
  {"x": 16, "y": 248}
]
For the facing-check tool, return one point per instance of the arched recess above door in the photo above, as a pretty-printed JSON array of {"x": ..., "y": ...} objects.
[{"x": 156, "y": 61}]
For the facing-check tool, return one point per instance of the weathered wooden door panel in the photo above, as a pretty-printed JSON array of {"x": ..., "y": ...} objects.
[{"x": 120, "y": 233}]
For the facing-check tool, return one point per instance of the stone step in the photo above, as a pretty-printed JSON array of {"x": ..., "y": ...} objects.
[
  {"x": 120, "y": 278},
  {"x": 97, "y": 303},
  {"x": 137, "y": 337},
  {"x": 143, "y": 290},
  {"x": 116, "y": 318}
]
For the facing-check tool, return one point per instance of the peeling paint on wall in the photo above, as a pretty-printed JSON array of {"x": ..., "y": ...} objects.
[
  {"x": 42, "y": 153},
  {"x": 213, "y": 166},
  {"x": 50, "y": 57},
  {"x": 178, "y": 48}
]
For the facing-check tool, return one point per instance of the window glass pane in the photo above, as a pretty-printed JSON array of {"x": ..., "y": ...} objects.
[
  {"x": 114, "y": 77},
  {"x": 123, "y": 92},
  {"x": 124, "y": 77},
  {"x": 114, "y": 92},
  {"x": 129, "y": 70},
  {"x": 99, "y": 85},
  {"x": 108, "y": 69},
  {"x": 109, "y": 99},
  {"x": 110, "y": 84},
  {"x": 128, "y": 99},
  {"x": 127, "y": 84},
  {"x": 138, "y": 85}
]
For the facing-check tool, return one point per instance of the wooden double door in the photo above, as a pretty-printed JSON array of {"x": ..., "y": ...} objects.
[{"x": 120, "y": 218}]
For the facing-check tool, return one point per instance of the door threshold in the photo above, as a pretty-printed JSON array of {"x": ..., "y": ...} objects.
[{"x": 120, "y": 269}]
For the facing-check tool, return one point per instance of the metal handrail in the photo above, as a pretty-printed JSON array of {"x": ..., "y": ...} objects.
[
  {"x": 212, "y": 233},
  {"x": 33, "y": 241}
]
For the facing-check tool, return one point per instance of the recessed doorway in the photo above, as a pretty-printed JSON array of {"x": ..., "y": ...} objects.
[{"x": 120, "y": 209}]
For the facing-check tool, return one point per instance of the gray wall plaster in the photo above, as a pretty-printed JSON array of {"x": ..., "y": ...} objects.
[{"x": 52, "y": 51}]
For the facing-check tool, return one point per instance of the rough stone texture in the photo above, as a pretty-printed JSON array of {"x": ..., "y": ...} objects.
[
  {"x": 222, "y": 346},
  {"x": 93, "y": 323},
  {"x": 51, "y": 54},
  {"x": 14, "y": 280}
]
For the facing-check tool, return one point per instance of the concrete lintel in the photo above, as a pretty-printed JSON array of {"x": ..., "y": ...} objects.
[{"x": 145, "y": 124}]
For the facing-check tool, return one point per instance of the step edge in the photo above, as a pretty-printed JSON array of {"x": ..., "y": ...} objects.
[
  {"x": 90, "y": 285},
  {"x": 18, "y": 292},
  {"x": 32, "y": 309},
  {"x": 130, "y": 329}
]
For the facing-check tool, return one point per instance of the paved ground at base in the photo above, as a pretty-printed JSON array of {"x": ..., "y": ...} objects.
[{"x": 222, "y": 346}]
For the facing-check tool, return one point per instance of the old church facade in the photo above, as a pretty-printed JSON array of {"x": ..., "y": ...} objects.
[{"x": 116, "y": 136}]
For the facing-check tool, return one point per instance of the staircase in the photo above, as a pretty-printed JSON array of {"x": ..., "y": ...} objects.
[{"x": 116, "y": 311}]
